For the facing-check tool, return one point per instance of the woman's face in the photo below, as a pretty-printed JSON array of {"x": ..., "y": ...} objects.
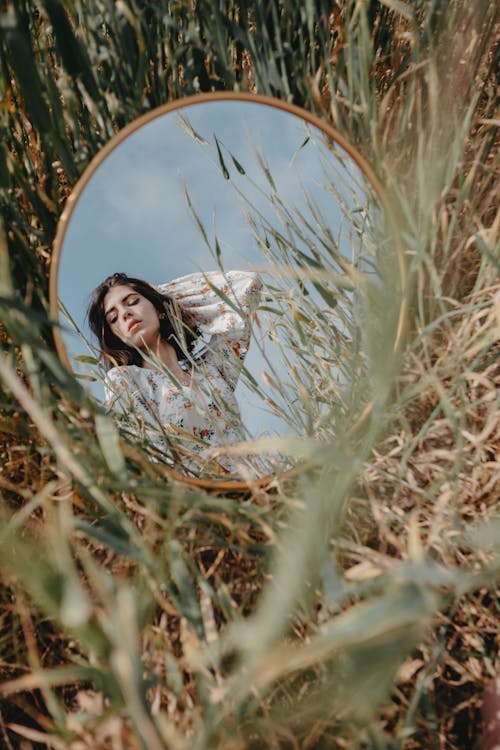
[{"x": 132, "y": 317}]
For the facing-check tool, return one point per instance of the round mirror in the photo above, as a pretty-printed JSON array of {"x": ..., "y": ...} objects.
[{"x": 256, "y": 220}]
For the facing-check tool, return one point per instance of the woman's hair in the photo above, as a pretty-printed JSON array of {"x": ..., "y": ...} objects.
[{"x": 113, "y": 350}]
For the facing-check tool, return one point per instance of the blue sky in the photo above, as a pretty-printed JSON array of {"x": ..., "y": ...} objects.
[{"x": 133, "y": 216}]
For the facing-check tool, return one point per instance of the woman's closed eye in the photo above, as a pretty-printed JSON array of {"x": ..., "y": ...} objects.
[
  {"x": 131, "y": 301},
  {"x": 113, "y": 317}
]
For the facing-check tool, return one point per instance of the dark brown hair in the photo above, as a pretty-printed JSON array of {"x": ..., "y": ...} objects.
[{"x": 113, "y": 350}]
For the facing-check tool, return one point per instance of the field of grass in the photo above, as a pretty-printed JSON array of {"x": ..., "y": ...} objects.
[{"x": 353, "y": 603}]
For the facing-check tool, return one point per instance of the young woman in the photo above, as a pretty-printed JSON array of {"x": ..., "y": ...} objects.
[{"x": 173, "y": 356}]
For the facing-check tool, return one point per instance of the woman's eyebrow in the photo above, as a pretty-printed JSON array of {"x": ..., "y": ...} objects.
[{"x": 123, "y": 299}]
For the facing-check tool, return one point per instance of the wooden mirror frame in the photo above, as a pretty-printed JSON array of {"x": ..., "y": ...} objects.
[{"x": 222, "y": 485}]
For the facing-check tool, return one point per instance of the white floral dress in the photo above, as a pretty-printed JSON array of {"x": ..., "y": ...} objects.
[{"x": 184, "y": 422}]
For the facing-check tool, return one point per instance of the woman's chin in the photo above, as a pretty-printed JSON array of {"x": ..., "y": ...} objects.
[
  {"x": 141, "y": 338},
  {"x": 142, "y": 342}
]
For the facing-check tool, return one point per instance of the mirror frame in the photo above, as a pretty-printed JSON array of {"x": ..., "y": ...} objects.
[{"x": 223, "y": 485}]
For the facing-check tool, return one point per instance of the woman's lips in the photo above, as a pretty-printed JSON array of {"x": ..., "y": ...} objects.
[{"x": 132, "y": 325}]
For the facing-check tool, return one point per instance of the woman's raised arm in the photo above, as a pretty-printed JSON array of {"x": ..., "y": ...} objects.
[{"x": 221, "y": 304}]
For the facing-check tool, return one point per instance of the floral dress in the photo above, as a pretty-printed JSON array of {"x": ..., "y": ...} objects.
[{"x": 184, "y": 421}]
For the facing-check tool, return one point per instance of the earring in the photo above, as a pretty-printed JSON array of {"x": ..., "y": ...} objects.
[{"x": 162, "y": 316}]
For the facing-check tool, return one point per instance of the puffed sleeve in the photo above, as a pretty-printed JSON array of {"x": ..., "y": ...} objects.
[
  {"x": 122, "y": 394},
  {"x": 129, "y": 396},
  {"x": 118, "y": 391},
  {"x": 221, "y": 304}
]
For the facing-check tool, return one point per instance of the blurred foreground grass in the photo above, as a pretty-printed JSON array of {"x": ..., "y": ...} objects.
[{"x": 355, "y": 605}]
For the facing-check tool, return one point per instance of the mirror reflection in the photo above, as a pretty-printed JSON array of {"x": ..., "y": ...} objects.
[{"x": 207, "y": 273}]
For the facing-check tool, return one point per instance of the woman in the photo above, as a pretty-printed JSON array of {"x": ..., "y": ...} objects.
[{"x": 173, "y": 355}]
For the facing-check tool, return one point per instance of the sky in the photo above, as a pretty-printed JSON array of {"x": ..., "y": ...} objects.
[{"x": 133, "y": 214}]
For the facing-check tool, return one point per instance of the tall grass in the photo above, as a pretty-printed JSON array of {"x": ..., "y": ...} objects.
[{"x": 353, "y": 605}]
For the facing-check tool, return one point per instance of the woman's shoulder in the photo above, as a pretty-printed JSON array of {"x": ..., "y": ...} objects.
[{"x": 121, "y": 372}]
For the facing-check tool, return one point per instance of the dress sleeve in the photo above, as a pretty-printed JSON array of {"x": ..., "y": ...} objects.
[
  {"x": 221, "y": 304},
  {"x": 117, "y": 391},
  {"x": 125, "y": 395}
]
